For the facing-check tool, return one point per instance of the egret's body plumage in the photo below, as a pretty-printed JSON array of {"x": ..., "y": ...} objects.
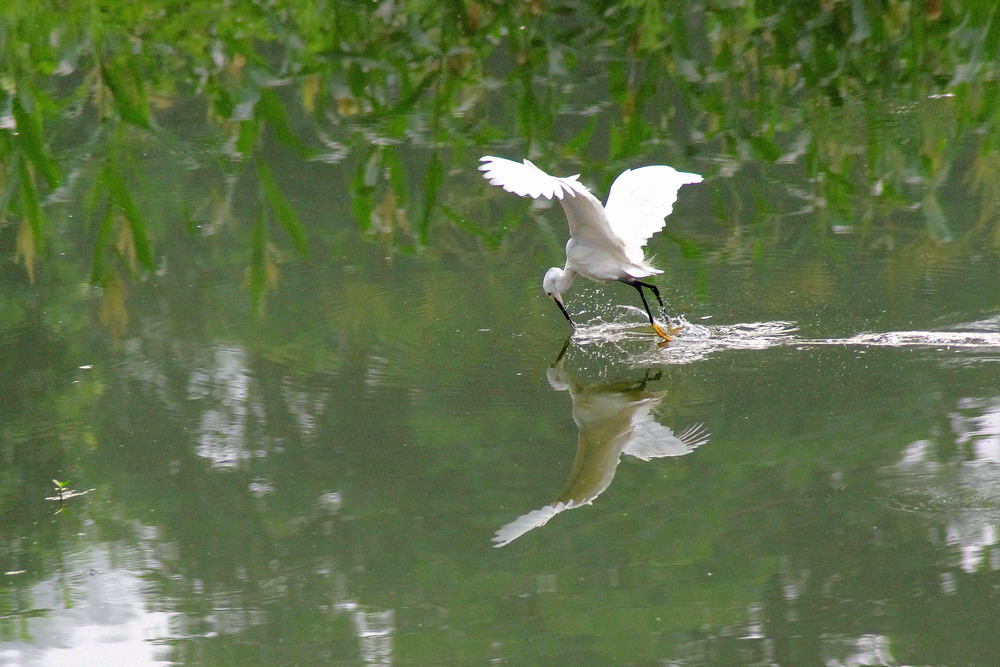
[{"x": 606, "y": 242}]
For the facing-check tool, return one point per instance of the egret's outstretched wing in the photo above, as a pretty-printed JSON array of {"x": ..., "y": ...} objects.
[
  {"x": 651, "y": 440},
  {"x": 526, "y": 180},
  {"x": 641, "y": 199},
  {"x": 522, "y": 524},
  {"x": 587, "y": 220}
]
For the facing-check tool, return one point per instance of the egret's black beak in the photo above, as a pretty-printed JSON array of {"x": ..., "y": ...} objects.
[{"x": 558, "y": 300}]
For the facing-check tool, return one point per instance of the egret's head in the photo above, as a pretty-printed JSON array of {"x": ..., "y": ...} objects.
[{"x": 553, "y": 283}]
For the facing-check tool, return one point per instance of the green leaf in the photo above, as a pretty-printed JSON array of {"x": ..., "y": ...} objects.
[
  {"x": 765, "y": 147},
  {"x": 121, "y": 197},
  {"x": 991, "y": 41},
  {"x": 30, "y": 137},
  {"x": 258, "y": 267},
  {"x": 30, "y": 203},
  {"x": 362, "y": 200},
  {"x": 126, "y": 86},
  {"x": 272, "y": 110},
  {"x": 935, "y": 220},
  {"x": 578, "y": 144},
  {"x": 433, "y": 180},
  {"x": 281, "y": 207},
  {"x": 247, "y": 138},
  {"x": 100, "y": 245}
]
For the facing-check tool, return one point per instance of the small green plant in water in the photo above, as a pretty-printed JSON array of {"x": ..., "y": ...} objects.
[{"x": 64, "y": 493}]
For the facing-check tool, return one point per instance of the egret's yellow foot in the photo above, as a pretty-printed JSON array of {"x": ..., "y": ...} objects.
[
  {"x": 659, "y": 330},
  {"x": 675, "y": 330}
]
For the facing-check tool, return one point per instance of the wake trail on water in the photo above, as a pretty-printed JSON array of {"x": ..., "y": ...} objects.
[{"x": 696, "y": 341}]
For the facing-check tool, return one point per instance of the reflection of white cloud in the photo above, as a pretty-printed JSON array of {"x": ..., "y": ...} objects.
[
  {"x": 94, "y": 615},
  {"x": 972, "y": 537},
  {"x": 867, "y": 649},
  {"x": 982, "y": 429},
  {"x": 374, "y": 630},
  {"x": 226, "y": 385},
  {"x": 965, "y": 487},
  {"x": 757, "y": 649},
  {"x": 304, "y": 405},
  {"x": 140, "y": 367}
]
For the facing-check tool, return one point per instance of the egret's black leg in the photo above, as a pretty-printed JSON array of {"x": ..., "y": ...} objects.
[
  {"x": 656, "y": 293},
  {"x": 646, "y": 379},
  {"x": 638, "y": 286},
  {"x": 562, "y": 352}
]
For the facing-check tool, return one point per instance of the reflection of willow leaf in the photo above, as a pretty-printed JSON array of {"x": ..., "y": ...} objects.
[
  {"x": 689, "y": 249},
  {"x": 114, "y": 314},
  {"x": 578, "y": 144},
  {"x": 121, "y": 197},
  {"x": 100, "y": 243},
  {"x": 258, "y": 258},
  {"x": 30, "y": 138},
  {"x": 249, "y": 130},
  {"x": 126, "y": 86},
  {"x": 433, "y": 180},
  {"x": 310, "y": 89},
  {"x": 126, "y": 245},
  {"x": 470, "y": 227},
  {"x": 363, "y": 190},
  {"x": 384, "y": 215},
  {"x": 30, "y": 203},
  {"x": 991, "y": 42},
  {"x": 983, "y": 47},
  {"x": 272, "y": 110},
  {"x": 627, "y": 140},
  {"x": 25, "y": 249},
  {"x": 283, "y": 210},
  {"x": 764, "y": 147},
  {"x": 397, "y": 172},
  {"x": 937, "y": 224},
  {"x": 528, "y": 111},
  {"x": 406, "y": 104}
]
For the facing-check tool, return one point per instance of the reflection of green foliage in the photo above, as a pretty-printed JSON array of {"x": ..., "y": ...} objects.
[{"x": 744, "y": 80}]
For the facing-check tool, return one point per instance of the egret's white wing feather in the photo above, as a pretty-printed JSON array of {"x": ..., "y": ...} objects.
[
  {"x": 640, "y": 200},
  {"x": 588, "y": 223},
  {"x": 652, "y": 440},
  {"x": 522, "y": 524},
  {"x": 525, "y": 179}
]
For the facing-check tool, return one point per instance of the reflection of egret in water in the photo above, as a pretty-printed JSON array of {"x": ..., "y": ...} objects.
[{"x": 614, "y": 418}]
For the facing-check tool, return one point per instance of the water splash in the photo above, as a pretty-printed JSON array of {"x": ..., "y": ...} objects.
[{"x": 695, "y": 341}]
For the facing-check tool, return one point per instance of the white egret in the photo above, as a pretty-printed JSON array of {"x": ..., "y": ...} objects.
[{"x": 605, "y": 242}]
